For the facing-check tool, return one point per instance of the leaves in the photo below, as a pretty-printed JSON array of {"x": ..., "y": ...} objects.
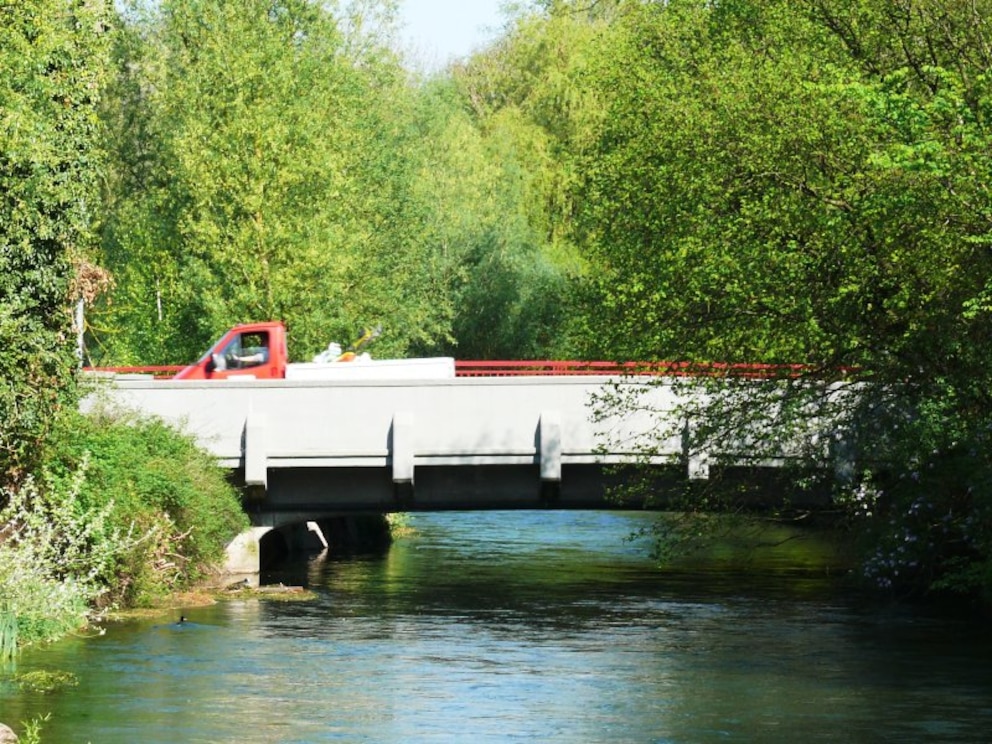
[
  {"x": 52, "y": 56},
  {"x": 281, "y": 184},
  {"x": 781, "y": 183}
]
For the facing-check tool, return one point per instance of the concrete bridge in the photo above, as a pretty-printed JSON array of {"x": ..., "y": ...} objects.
[
  {"x": 312, "y": 447},
  {"x": 313, "y": 450}
]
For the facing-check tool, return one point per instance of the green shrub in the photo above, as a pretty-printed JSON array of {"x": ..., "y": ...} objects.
[
  {"x": 163, "y": 487},
  {"x": 122, "y": 510},
  {"x": 54, "y": 559}
]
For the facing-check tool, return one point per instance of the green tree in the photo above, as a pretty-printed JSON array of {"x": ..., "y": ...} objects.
[
  {"x": 773, "y": 183},
  {"x": 278, "y": 184},
  {"x": 52, "y": 67},
  {"x": 526, "y": 100},
  {"x": 510, "y": 295}
]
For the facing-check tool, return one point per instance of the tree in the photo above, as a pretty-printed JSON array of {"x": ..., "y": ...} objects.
[
  {"x": 526, "y": 99},
  {"x": 52, "y": 57},
  {"x": 773, "y": 184},
  {"x": 279, "y": 184}
]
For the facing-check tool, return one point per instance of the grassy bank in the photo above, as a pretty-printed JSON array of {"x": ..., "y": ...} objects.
[{"x": 122, "y": 513}]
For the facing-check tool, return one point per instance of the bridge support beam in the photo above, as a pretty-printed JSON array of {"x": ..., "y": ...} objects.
[
  {"x": 255, "y": 450},
  {"x": 549, "y": 453},
  {"x": 697, "y": 461},
  {"x": 402, "y": 454},
  {"x": 401, "y": 450},
  {"x": 549, "y": 435}
]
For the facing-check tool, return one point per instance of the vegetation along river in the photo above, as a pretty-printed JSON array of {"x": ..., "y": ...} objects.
[{"x": 533, "y": 626}]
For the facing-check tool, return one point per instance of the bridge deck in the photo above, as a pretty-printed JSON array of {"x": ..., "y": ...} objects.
[{"x": 304, "y": 447}]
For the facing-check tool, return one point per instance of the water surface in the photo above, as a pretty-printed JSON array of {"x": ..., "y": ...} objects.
[{"x": 525, "y": 626}]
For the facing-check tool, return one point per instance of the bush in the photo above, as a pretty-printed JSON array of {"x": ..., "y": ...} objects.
[
  {"x": 54, "y": 560},
  {"x": 122, "y": 510},
  {"x": 161, "y": 486}
]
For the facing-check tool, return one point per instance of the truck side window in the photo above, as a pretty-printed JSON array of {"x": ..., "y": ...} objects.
[{"x": 247, "y": 350}]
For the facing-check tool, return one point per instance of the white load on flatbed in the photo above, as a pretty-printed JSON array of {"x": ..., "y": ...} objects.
[{"x": 363, "y": 368}]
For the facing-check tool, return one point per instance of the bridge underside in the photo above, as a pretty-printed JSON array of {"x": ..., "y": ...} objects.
[{"x": 300, "y": 494}]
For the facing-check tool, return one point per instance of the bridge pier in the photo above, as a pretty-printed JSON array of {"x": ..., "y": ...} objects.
[{"x": 243, "y": 558}]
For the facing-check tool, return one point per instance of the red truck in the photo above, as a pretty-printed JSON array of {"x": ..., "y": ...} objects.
[{"x": 259, "y": 351}]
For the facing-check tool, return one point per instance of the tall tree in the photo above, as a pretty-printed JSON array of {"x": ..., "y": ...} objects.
[
  {"x": 278, "y": 186},
  {"x": 527, "y": 100},
  {"x": 52, "y": 66}
]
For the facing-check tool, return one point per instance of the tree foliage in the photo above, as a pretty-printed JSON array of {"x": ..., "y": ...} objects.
[
  {"x": 527, "y": 102},
  {"x": 64, "y": 545},
  {"x": 52, "y": 63},
  {"x": 278, "y": 183},
  {"x": 740, "y": 181},
  {"x": 276, "y": 161},
  {"x": 780, "y": 182}
]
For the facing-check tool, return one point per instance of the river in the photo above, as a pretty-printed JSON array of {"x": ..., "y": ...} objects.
[{"x": 525, "y": 626}]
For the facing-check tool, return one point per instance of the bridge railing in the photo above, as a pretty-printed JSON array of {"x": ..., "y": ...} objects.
[
  {"x": 514, "y": 368},
  {"x": 528, "y": 368},
  {"x": 562, "y": 368},
  {"x": 160, "y": 371}
]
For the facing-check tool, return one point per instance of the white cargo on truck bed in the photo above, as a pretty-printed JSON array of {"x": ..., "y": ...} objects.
[{"x": 430, "y": 368}]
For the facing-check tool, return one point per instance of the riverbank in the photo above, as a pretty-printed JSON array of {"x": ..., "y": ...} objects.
[{"x": 207, "y": 596}]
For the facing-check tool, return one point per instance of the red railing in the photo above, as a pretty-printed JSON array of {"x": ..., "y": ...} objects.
[
  {"x": 163, "y": 371},
  {"x": 669, "y": 369},
  {"x": 522, "y": 368}
]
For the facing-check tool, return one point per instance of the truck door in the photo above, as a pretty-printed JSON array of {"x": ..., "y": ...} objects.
[{"x": 247, "y": 354}]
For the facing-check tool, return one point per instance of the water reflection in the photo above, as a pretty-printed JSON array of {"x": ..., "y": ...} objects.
[{"x": 542, "y": 626}]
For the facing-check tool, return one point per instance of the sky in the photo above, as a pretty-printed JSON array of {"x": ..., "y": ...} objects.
[{"x": 439, "y": 30}]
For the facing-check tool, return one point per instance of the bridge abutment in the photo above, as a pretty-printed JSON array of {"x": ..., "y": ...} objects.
[
  {"x": 246, "y": 552},
  {"x": 243, "y": 559}
]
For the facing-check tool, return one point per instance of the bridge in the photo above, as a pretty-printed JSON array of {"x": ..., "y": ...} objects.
[{"x": 307, "y": 451}]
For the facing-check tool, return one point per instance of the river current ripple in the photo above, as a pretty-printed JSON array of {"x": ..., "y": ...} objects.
[{"x": 533, "y": 627}]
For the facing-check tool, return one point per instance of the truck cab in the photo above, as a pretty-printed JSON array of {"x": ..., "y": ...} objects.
[{"x": 250, "y": 351}]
